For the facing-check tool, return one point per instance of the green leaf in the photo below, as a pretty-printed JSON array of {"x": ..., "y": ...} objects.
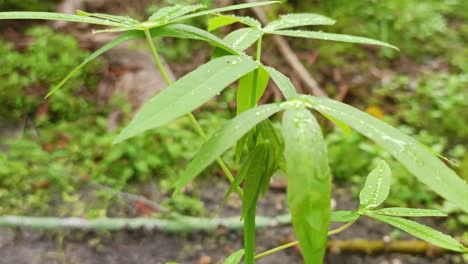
[
  {"x": 225, "y": 9},
  {"x": 243, "y": 38},
  {"x": 421, "y": 231},
  {"x": 235, "y": 257},
  {"x": 255, "y": 179},
  {"x": 196, "y": 33},
  {"x": 118, "y": 19},
  {"x": 244, "y": 98},
  {"x": 58, "y": 16},
  {"x": 417, "y": 159},
  {"x": 244, "y": 90},
  {"x": 344, "y": 216},
  {"x": 284, "y": 84},
  {"x": 409, "y": 212},
  {"x": 224, "y": 20},
  {"x": 121, "y": 39},
  {"x": 241, "y": 174},
  {"x": 188, "y": 93},
  {"x": 299, "y": 20},
  {"x": 225, "y": 138},
  {"x": 220, "y": 21},
  {"x": 377, "y": 187},
  {"x": 169, "y": 13},
  {"x": 331, "y": 36},
  {"x": 309, "y": 181}
]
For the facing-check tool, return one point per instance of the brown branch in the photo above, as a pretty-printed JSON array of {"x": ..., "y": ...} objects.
[{"x": 290, "y": 56}]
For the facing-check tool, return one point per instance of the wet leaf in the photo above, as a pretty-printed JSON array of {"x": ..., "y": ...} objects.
[
  {"x": 299, "y": 20},
  {"x": 416, "y": 158},
  {"x": 187, "y": 94},
  {"x": 309, "y": 181},
  {"x": 377, "y": 187},
  {"x": 422, "y": 232}
]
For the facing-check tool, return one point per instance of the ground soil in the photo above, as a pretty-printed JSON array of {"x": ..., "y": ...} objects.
[{"x": 140, "y": 246}]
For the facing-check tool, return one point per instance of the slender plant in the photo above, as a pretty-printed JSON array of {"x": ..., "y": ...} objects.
[{"x": 298, "y": 149}]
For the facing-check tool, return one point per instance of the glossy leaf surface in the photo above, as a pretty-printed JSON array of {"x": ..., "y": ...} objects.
[
  {"x": 331, "y": 36},
  {"x": 299, "y": 20},
  {"x": 377, "y": 186},
  {"x": 309, "y": 181},
  {"x": 422, "y": 232},
  {"x": 225, "y": 138},
  {"x": 188, "y": 93},
  {"x": 414, "y": 156}
]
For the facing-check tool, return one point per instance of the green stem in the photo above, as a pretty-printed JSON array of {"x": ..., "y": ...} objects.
[
  {"x": 249, "y": 236},
  {"x": 292, "y": 244},
  {"x": 192, "y": 118},
  {"x": 253, "y": 98}
]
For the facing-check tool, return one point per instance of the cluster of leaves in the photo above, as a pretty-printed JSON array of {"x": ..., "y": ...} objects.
[
  {"x": 351, "y": 156},
  {"x": 305, "y": 156},
  {"x": 26, "y": 76},
  {"x": 175, "y": 49},
  {"x": 420, "y": 28},
  {"x": 439, "y": 103}
]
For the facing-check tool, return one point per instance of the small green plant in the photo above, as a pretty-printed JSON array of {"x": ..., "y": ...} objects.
[{"x": 299, "y": 149}]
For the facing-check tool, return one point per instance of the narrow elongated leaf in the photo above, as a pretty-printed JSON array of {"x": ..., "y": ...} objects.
[
  {"x": 169, "y": 13},
  {"x": 243, "y": 38},
  {"x": 188, "y": 93},
  {"x": 299, "y": 20},
  {"x": 225, "y": 138},
  {"x": 121, "y": 39},
  {"x": 284, "y": 84},
  {"x": 118, "y": 19},
  {"x": 244, "y": 98},
  {"x": 58, "y": 16},
  {"x": 377, "y": 186},
  {"x": 235, "y": 257},
  {"x": 244, "y": 90},
  {"x": 409, "y": 212},
  {"x": 309, "y": 181},
  {"x": 422, "y": 232},
  {"x": 344, "y": 216},
  {"x": 254, "y": 179},
  {"x": 416, "y": 158},
  {"x": 224, "y": 20},
  {"x": 241, "y": 174},
  {"x": 226, "y": 9},
  {"x": 200, "y": 34},
  {"x": 331, "y": 36},
  {"x": 220, "y": 21}
]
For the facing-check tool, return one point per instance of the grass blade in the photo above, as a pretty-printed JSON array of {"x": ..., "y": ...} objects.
[
  {"x": 298, "y": 20},
  {"x": 416, "y": 158},
  {"x": 331, "y": 36},
  {"x": 225, "y": 138},
  {"x": 188, "y": 93}
]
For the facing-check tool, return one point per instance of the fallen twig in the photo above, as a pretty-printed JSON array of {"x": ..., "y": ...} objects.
[{"x": 174, "y": 224}]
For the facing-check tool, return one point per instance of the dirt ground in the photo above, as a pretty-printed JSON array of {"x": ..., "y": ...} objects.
[{"x": 140, "y": 246}]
